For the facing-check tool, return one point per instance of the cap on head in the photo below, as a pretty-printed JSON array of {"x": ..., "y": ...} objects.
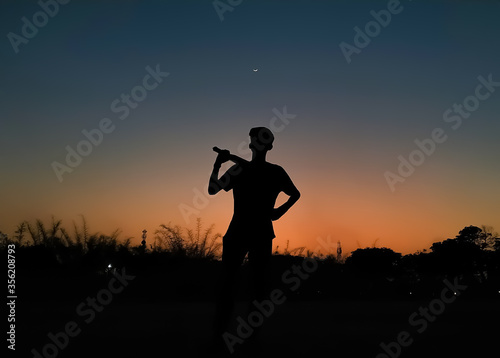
[{"x": 261, "y": 138}]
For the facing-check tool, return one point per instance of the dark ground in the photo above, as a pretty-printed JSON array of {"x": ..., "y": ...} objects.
[
  {"x": 167, "y": 311},
  {"x": 341, "y": 328}
]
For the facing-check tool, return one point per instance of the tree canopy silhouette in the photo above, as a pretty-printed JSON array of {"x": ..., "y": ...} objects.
[{"x": 373, "y": 259}]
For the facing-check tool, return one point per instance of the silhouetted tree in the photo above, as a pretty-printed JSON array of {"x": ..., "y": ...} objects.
[
  {"x": 373, "y": 259},
  {"x": 456, "y": 256},
  {"x": 483, "y": 237},
  {"x": 497, "y": 245},
  {"x": 468, "y": 253}
]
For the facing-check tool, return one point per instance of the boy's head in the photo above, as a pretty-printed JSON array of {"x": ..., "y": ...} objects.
[{"x": 261, "y": 139}]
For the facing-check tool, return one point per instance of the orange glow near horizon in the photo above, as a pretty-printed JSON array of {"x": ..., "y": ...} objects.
[{"x": 356, "y": 209}]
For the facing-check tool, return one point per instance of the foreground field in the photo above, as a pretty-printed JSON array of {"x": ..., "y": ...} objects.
[{"x": 127, "y": 328}]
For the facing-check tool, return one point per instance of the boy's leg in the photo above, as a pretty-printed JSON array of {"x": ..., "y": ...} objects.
[
  {"x": 259, "y": 258},
  {"x": 233, "y": 253}
]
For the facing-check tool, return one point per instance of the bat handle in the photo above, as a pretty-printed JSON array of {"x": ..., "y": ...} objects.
[{"x": 217, "y": 150}]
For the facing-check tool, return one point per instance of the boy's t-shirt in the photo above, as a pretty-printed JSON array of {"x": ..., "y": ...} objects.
[{"x": 255, "y": 189}]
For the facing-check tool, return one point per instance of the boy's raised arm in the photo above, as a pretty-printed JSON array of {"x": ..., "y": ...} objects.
[{"x": 215, "y": 185}]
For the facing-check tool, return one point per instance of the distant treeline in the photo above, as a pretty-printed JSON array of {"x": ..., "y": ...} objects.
[{"x": 185, "y": 264}]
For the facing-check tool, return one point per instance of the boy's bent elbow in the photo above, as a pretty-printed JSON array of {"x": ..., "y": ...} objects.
[
  {"x": 212, "y": 191},
  {"x": 213, "y": 188}
]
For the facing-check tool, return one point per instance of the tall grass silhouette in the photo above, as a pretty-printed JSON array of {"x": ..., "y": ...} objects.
[
  {"x": 54, "y": 238},
  {"x": 198, "y": 243}
]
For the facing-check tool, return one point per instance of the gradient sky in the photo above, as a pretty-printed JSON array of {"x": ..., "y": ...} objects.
[{"x": 351, "y": 122}]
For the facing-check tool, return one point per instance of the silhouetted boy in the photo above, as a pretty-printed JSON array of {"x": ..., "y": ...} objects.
[{"x": 256, "y": 185}]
